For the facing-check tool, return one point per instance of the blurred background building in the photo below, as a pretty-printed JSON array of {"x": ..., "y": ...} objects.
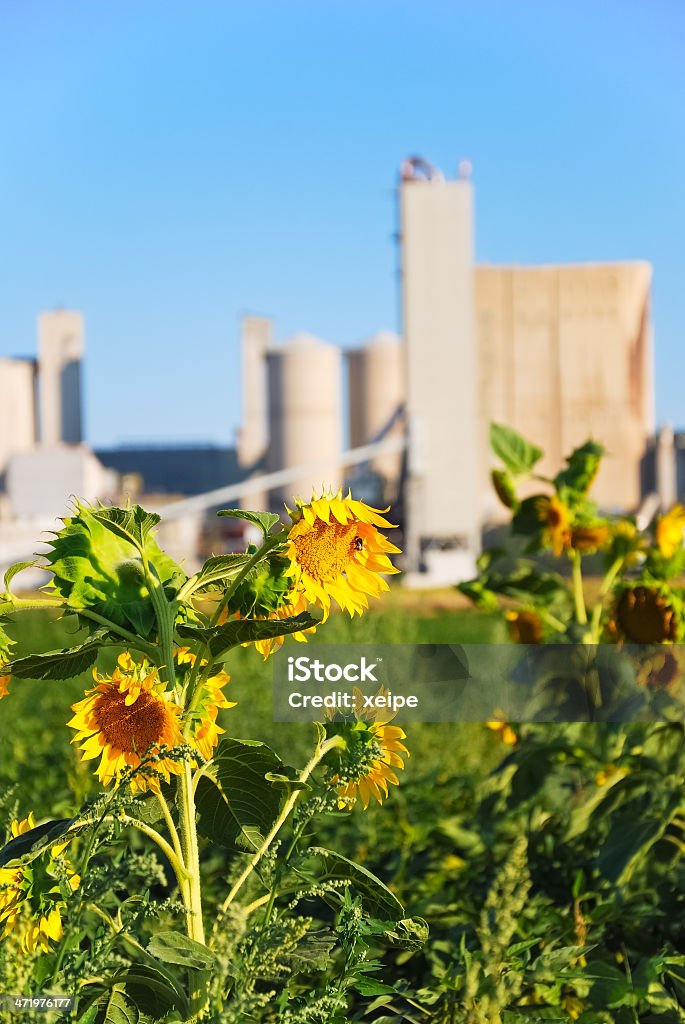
[{"x": 560, "y": 353}]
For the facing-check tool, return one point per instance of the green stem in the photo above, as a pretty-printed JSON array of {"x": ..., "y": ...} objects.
[
  {"x": 578, "y": 593},
  {"x": 173, "y": 832},
  {"x": 320, "y": 752},
  {"x": 552, "y": 620},
  {"x": 604, "y": 589},
  {"x": 180, "y": 869},
  {"x": 192, "y": 890}
]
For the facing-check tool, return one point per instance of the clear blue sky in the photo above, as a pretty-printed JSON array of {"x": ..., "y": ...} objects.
[{"x": 168, "y": 165}]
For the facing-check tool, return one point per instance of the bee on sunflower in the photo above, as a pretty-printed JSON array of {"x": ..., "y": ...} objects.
[
  {"x": 31, "y": 898},
  {"x": 336, "y": 552}
]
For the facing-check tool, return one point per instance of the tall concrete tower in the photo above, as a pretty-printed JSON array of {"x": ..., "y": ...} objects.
[
  {"x": 253, "y": 439},
  {"x": 305, "y": 415},
  {"x": 17, "y": 408},
  {"x": 446, "y": 446},
  {"x": 60, "y": 350},
  {"x": 376, "y": 396}
]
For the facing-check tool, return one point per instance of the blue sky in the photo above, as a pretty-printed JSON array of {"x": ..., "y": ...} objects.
[{"x": 169, "y": 165}]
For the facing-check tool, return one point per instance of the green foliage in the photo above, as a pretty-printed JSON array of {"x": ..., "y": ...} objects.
[
  {"x": 582, "y": 466},
  {"x": 239, "y": 803},
  {"x": 99, "y": 558},
  {"x": 518, "y": 455},
  {"x": 264, "y": 520},
  {"x": 221, "y": 639}
]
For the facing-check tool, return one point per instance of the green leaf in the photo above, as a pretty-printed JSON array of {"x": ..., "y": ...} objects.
[
  {"x": 410, "y": 933},
  {"x": 90, "y": 1015},
  {"x": 131, "y": 524},
  {"x": 518, "y": 455},
  {"x": 238, "y": 806},
  {"x": 378, "y": 900},
  {"x": 371, "y": 987},
  {"x": 152, "y": 990},
  {"x": 610, "y": 987},
  {"x": 526, "y": 521},
  {"x": 264, "y": 520},
  {"x": 581, "y": 468},
  {"x": 241, "y": 631},
  {"x": 59, "y": 664},
  {"x": 478, "y": 592},
  {"x": 119, "y": 1010},
  {"x": 177, "y": 948},
  {"x": 505, "y": 488},
  {"x": 634, "y": 831},
  {"x": 23, "y": 844},
  {"x": 220, "y": 570},
  {"x": 97, "y": 564},
  {"x": 15, "y": 569}
]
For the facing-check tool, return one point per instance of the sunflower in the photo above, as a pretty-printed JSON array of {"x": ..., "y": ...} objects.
[
  {"x": 499, "y": 725},
  {"x": 336, "y": 551},
  {"x": 590, "y": 538},
  {"x": 4, "y": 684},
  {"x": 525, "y": 627},
  {"x": 556, "y": 519},
  {"x": 34, "y": 890},
  {"x": 127, "y": 716},
  {"x": 669, "y": 531},
  {"x": 648, "y": 615},
  {"x": 204, "y": 733},
  {"x": 294, "y": 607},
  {"x": 367, "y": 766}
]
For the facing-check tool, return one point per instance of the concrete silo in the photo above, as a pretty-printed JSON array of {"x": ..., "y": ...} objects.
[
  {"x": 60, "y": 351},
  {"x": 17, "y": 408},
  {"x": 305, "y": 415},
  {"x": 376, "y": 396}
]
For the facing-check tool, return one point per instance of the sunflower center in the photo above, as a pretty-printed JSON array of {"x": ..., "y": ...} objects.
[
  {"x": 136, "y": 727},
  {"x": 554, "y": 516},
  {"x": 325, "y": 551}
]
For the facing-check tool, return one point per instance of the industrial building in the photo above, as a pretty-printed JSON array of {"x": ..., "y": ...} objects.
[{"x": 560, "y": 353}]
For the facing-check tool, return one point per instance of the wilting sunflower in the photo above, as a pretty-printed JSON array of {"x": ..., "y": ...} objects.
[
  {"x": 336, "y": 551},
  {"x": 588, "y": 539},
  {"x": 525, "y": 626},
  {"x": 268, "y": 594},
  {"x": 4, "y": 684},
  {"x": 556, "y": 519},
  {"x": 126, "y": 717},
  {"x": 669, "y": 531},
  {"x": 204, "y": 733},
  {"x": 31, "y": 899},
  {"x": 294, "y": 607},
  {"x": 373, "y": 752},
  {"x": 648, "y": 615}
]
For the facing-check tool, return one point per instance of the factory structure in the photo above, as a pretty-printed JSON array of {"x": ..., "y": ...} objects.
[{"x": 561, "y": 353}]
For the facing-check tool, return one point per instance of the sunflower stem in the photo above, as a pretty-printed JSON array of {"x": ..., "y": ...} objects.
[
  {"x": 321, "y": 750},
  {"x": 578, "y": 592},
  {"x": 173, "y": 831},
  {"x": 604, "y": 589},
  {"x": 181, "y": 870},
  {"x": 191, "y": 891}
]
